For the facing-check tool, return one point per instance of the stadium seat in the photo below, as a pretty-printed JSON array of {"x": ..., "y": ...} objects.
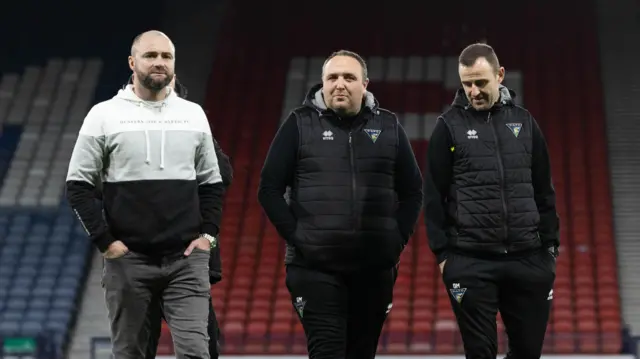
[{"x": 41, "y": 274}]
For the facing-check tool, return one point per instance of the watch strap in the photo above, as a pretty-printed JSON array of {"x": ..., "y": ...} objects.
[{"x": 213, "y": 241}]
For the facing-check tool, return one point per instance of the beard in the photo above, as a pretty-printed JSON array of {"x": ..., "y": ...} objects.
[{"x": 154, "y": 84}]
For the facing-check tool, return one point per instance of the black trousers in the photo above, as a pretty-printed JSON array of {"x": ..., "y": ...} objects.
[
  {"x": 155, "y": 317},
  {"x": 342, "y": 314},
  {"x": 520, "y": 288}
]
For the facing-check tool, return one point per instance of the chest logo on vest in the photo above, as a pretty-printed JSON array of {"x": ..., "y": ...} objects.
[
  {"x": 327, "y": 136},
  {"x": 472, "y": 134},
  {"x": 373, "y": 134},
  {"x": 515, "y": 128}
]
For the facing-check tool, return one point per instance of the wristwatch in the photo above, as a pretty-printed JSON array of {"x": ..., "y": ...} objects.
[{"x": 212, "y": 240}]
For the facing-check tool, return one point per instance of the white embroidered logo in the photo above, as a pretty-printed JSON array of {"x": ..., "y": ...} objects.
[{"x": 327, "y": 135}]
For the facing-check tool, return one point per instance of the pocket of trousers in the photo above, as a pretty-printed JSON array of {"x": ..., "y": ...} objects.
[
  {"x": 198, "y": 262},
  {"x": 551, "y": 263},
  {"x": 204, "y": 251},
  {"x": 447, "y": 265},
  {"x": 107, "y": 268},
  {"x": 126, "y": 254}
]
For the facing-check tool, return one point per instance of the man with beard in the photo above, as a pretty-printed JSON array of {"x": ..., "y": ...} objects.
[
  {"x": 490, "y": 210},
  {"x": 215, "y": 263},
  {"x": 152, "y": 155},
  {"x": 356, "y": 193}
]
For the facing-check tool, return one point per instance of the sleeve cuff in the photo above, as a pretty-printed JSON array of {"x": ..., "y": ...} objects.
[
  {"x": 290, "y": 238},
  {"x": 214, "y": 277},
  {"x": 215, "y": 266},
  {"x": 210, "y": 229},
  {"x": 442, "y": 256},
  {"x": 103, "y": 241},
  {"x": 552, "y": 244},
  {"x": 403, "y": 234}
]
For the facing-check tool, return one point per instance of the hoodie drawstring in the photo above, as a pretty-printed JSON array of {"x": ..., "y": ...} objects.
[
  {"x": 162, "y": 149},
  {"x": 148, "y": 145},
  {"x": 162, "y": 136},
  {"x": 128, "y": 95}
]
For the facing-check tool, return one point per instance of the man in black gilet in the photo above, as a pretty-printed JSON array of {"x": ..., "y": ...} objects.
[
  {"x": 356, "y": 193},
  {"x": 490, "y": 210}
]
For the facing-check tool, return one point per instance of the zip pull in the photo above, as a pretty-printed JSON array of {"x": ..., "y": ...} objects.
[
  {"x": 489, "y": 117},
  {"x": 349, "y": 137}
]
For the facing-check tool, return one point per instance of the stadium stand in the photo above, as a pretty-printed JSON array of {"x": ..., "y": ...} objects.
[
  {"x": 623, "y": 130},
  {"x": 416, "y": 74},
  {"x": 44, "y": 252}
]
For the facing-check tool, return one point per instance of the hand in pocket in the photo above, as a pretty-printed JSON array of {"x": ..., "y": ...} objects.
[{"x": 116, "y": 250}]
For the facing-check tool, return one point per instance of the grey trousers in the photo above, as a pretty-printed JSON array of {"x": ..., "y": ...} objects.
[{"x": 133, "y": 281}]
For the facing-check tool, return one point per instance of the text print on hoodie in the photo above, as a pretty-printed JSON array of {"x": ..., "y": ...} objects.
[{"x": 157, "y": 168}]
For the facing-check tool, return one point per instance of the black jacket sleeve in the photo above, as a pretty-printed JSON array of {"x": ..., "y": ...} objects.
[
  {"x": 215, "y": 265},
  {"x": 408, "y": 183},
  {"x": 210, "y": 186},
  {"x": 545, "y": 193},
  {"x": 437, "y": 180},
  {"x": 277, "y": 173},
  {"x": 81, "y": 196},
  {"x": 210, "y": 196},
  {"x": 83, "y": 180},
  {"x": 226, "y": 170}
]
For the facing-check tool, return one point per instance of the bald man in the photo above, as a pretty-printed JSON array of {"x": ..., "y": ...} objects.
[
  {"x": 215, "y": 263},
  {"x": 152, "y": 155}
]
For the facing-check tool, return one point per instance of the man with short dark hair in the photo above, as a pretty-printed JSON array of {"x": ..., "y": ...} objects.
[
  {"x": 490, "y": 211},
  {"x": 356, "y": 193},
  {"x": 472, "y": 53}
]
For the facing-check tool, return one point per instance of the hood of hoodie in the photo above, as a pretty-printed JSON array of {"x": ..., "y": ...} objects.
[
  {"x": 506, "y": 98},
  {"x": 127, "y": 94},
  {"x": 315, "y": 100}
]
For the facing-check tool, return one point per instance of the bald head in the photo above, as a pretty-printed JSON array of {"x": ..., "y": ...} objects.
[
  {"x": 150, "y": 36},
  {"x": 152, "y": 61}
]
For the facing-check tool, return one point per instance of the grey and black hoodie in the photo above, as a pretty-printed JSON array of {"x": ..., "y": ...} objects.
[{"x": 157, "y": 169}]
